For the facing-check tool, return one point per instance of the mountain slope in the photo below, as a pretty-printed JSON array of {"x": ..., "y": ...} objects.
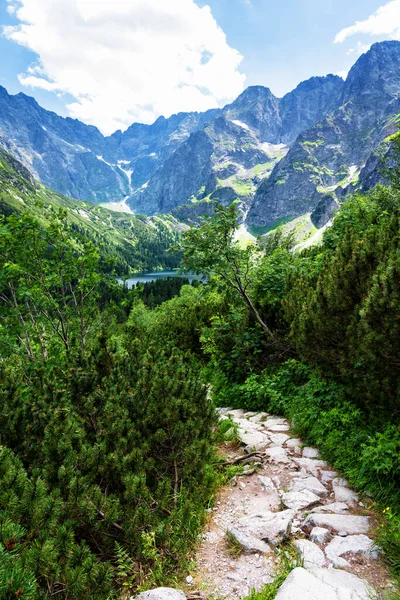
[
  {"x": 236, "y": 150},
  {"x": 280, "y": 157},
  {"x": 328, "y": 158},
  {"x": 126, "y": 242}
]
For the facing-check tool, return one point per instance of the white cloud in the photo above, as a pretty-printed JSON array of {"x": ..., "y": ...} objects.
[
  {"x": 384, "y": 22},
  {"x": 127, "y": 60}
]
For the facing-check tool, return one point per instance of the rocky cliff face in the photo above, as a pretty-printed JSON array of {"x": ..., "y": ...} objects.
[
  {"x": 247, "y": 141},
  {"x": 77, "y": 160},
  {"x": 329, "y": 157},
  {"x": 308, "y": 104},
  {"x": 279, "y": 157}
]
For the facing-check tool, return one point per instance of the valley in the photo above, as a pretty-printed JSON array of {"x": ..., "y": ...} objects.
[{"x": 199, "y": 346}]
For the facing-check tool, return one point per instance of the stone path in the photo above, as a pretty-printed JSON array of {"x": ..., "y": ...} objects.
[{"x": 291, "y": 495}]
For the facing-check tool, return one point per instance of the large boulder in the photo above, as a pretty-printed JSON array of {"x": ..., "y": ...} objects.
[
  {"x": 270, "y": 527},
  {"x": 324, "y": 584},
  {"x": 300, "y": 500},
  {"x": 161, "y": 593},
  {"x": 348, "y": 524},
  {"x": 354, "y": 544},
  {"x": 312, "y": 484},
  {"x": 248, "y": 543},
  {"x": 310, "y": 553}
]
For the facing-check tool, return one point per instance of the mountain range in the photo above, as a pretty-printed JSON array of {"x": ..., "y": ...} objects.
[{"x": 281, "y": 157}]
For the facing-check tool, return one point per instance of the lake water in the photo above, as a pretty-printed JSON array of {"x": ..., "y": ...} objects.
[{"x": 153, "y": 275}]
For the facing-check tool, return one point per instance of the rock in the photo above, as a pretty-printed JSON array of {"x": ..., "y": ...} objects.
[
  {"x": 350, "y": 524},
  {"x": 335, "y": 507},
  {"x": 249, "y": 543},
  {"x": 189, "y": 579},
  {"x": 309, "y": 483},
  {"x": 328, "y": 476},
  {"x": 266, "y": 483},
  {"x": 277, "y": 454},
  {"x": 278, "y": 428},
  {"x": 324, "y": 584},
  {"x": 300, "y": 500},
  {"x": 270, "y": 527},
  {"x": 223, "y": 411},
  {"x": 253, "y": 439},
  {"x": 320, "y": 535},
  {"x": 259, "y": 417},
  {"x": 293, "y": 443},
  {"x": 161, "y": 594},
  {"x": 310, "y": 453},
  {"x": 237, "y": 413},
  {"x": 354, "y": 544},
  {"x": 270, "y": 498},
  {"x": 310, "y": 553},
  {"x": 313, "y": 466},
  {"x": 343, "y": 494},
  {"x": 278, "y": 439},
  {"x": 272, "y": 420}
]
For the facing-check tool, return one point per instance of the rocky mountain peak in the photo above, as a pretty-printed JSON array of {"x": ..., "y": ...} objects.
[
  {"x": 257, "y": 108},
  {"x": 308, "y": 103},
  {"x": 376, "y": 72}
]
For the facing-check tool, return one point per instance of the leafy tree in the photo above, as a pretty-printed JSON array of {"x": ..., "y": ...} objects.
[{"x": 212, "y": 249}]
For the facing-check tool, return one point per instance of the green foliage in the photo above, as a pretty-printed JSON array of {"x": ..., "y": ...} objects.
[
  {"x": 126, "y": 242},
  {"x": 107, "y": 460},
  {"x": 227, "y": 432},
  {"x": 345, "y": 319}
]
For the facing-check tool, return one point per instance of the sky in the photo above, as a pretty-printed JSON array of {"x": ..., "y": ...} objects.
[{"x": 112, "y": 63}]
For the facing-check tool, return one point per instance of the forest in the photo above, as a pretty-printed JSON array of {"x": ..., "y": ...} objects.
[{"x": 108, "y": 396}]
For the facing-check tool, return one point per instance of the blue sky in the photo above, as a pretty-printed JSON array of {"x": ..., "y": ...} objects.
[
  {"x": 284, "y": 42},
  {"x": 112, "y": 63}
]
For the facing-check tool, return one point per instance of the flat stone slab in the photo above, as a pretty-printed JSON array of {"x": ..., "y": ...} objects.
[
  {"x": 324, "y": 584},
  {"x": 270, "y": 498},
  {"x": 161, "y": 593},
  {"x": 278, "y": 439},
  {"x": 312, "y": 465},
  {"x": 266, "y": 483},
  {"x": 248, "y": 543},
  {"x": 253, "y": 439},
  {"x": 310, "y": 553},
  {"x": 349, "y": 524},
  {"x": 311, "y": 484},
  {"x": 277, "y": 454},
  {"x": 328, "y": 476},
  {"x": 355, "y": 544},
  {"x": 236, "y": 412},
  {"x": 259, "y": 417},
  {"x": 310, "y": 452},
  {"x": 275, "y": 421},
  {"x": 294, "y": 443},
  {"x": 223, "y": 411},
  {"x": 270, "y": 527},
  {"x": 300, "y": 500},
  {"x": 339, "y": 508},
  {"x": 343, "y": 494},
  {"x": 278, "y": 428},
  {"x": 320, "y": 535}
]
